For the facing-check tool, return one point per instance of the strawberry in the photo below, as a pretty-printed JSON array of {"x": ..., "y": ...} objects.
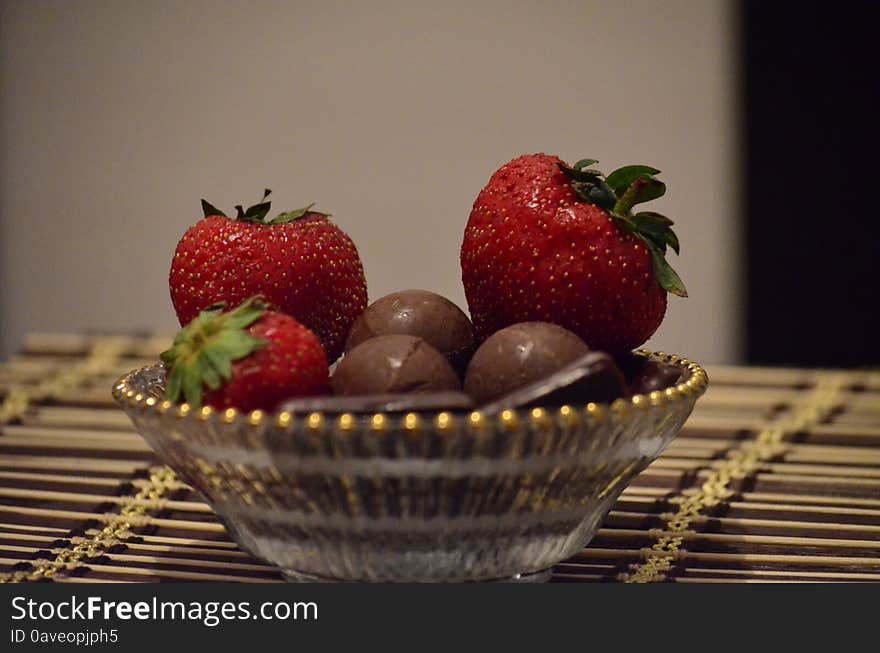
[
  {"x": 249, "y": 358},
  {"x": 300, "y": 261},
  {"x": 554, "y": 243}
]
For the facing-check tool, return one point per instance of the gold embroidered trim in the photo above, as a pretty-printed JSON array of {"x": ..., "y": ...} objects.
[
  {"x": 116, "y": 532},
  {"x": 740, "y": 463},
  {"x": 102, "y": 359}
]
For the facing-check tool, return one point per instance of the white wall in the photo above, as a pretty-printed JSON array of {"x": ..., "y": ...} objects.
[{"x": 116, "y": 117}]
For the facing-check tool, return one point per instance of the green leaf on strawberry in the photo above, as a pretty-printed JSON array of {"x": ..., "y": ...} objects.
[
  {"x": 618, "y": 193},
  {"x": 584, "y": 163},
  {"x": 256, "y": 213},
  {"x": 204, "y": 350},
  {"x": 666, "y": 276},
  {"x": 598, "y": 194},
  {"x": 577, "y": 172},
  {"x": 290, "y": 216},
  {"x": 589, "y": 184},
  {"x": 622, "y": 178},
  {"x": 659, "y": 226},
  {"x": 209, "y": 209}
]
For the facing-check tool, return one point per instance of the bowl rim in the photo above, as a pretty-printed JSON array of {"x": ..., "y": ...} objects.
[{"x": 693, "y": 386}]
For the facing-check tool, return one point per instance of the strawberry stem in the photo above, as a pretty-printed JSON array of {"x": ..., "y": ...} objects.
[{"x": 625, "y": 203}]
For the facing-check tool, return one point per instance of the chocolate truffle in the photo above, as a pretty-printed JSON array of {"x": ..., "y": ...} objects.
[
  {"x": 518, "y": 355},
  {"x": 383, "y": 403},
  {"x": 420, "y": 313},
  {"x": 592, "y": 377},
  {"x": 393, "y": 364},
  {"x": 645, "y": 375}
]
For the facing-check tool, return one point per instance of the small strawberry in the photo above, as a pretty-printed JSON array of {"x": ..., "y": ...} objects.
[
  {"x": 301, "y": 262},
  {"x": 249, "y": 358},
  {"x": 549, "y": 242}
]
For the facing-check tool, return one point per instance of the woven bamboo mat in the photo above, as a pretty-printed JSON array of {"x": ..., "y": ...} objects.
[{"x": 776, "y": 477}]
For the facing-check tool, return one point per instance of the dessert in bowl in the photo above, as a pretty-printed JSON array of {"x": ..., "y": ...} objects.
[{"x": 443, "y": 447}]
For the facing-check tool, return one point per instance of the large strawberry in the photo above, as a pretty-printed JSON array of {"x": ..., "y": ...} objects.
[
  {"x": 300, "y": 261},
  {"x": 249, "y": 358},
  {"x": 550, "y": 242}
]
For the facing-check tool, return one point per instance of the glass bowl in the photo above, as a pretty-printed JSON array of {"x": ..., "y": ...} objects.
[{"x": 413, "y": 497}]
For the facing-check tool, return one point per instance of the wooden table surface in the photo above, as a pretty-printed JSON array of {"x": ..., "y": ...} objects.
[{"x": 775, "y": 477}]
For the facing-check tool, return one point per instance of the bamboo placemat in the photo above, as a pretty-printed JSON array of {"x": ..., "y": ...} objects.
[{"x": 776, "y": 477}]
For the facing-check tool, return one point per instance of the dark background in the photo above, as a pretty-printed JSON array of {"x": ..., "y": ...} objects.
[{"x": 810, "y": 173}]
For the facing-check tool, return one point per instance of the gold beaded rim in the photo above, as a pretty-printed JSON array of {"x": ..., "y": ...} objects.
[{"x": 692, "y": 386}]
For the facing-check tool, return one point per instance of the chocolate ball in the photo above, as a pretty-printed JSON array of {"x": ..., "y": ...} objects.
[
  {"x": 393, "y": 364},
  {"x": 518, "y": 355},
  {"x": 420, "y": 313}
]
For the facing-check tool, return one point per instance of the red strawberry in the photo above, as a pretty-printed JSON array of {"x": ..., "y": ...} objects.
[
  {"x": 549, "y": 242},
  {"x": 249, "y": 358},
  {"x": 301, "y": 262}
]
